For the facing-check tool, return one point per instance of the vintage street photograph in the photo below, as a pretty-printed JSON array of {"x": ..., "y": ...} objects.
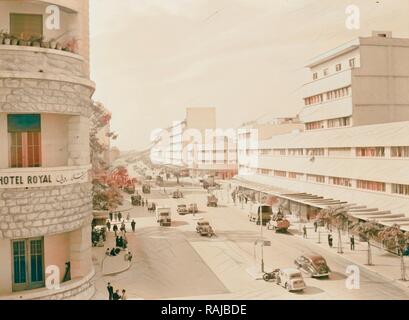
[{"x": 204, "y": 150}]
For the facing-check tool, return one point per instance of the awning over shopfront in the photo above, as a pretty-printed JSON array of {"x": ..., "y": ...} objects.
[{"x": 361, "y": 212}]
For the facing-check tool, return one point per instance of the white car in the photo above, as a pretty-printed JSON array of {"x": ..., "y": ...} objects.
[{"x": 291, "y": 279}]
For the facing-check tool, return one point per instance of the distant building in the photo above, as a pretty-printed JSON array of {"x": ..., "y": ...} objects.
[{"x": 355, "y": 147}]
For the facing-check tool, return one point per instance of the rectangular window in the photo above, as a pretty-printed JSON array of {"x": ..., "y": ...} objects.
[
  {"x": 279, "y": 152},
  {"x": 314, "y": 125},
  {"x": 295, "y": 175},
  {"x": 281, "y": 174},
  {"x": 315, "y": 178},
  {"x": 28, "y": 264},
  {"x": 371, "y": 185},
  {"x": 325, "y": 72},
  {"x": 295, "y": 152},
  {"x": 352, "y": 63},
  {"x": 340, "y": 122},
  {"x": 338, "y": 67},
  {"x": 340, "y": 181},
  {"x": 24, "y": 140},
  {"x": 402, "y": 189},
  {"x": 316, "y": 152},
  {"x": 25, "y": 26},
  {"x": 400, "y": 152},
  {"x": 315, "y": 76},
  {"x": 370, "y": 152}
]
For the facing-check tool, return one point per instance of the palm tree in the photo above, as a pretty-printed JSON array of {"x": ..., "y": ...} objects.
[
  {"x": 394, "y": 238},
  {"x": 367, "y": 230}
]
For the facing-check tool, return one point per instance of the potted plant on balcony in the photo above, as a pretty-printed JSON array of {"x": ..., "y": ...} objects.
[
  {"x": 53, "y": 44},
  {"x": 7, "y": 38},
  {"x": 14, "y": 41},
  {"x": 24, "y": 40},
  {"x": 71, "y": 45},
  {"x": 36, "y": 41},
  {"x": 1, "y": 37}
]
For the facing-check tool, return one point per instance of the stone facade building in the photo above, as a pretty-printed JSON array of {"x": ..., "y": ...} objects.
[{"x": 45, "y": 188}]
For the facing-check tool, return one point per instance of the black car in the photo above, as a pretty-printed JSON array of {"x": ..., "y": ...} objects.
[{"x": 314, "y": 265}]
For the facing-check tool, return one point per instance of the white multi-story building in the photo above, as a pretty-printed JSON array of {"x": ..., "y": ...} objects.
[
  {"x": 45, "y": 188},
  {"x": 355, "y": 147},
  {"x": 195, "y": 146}
]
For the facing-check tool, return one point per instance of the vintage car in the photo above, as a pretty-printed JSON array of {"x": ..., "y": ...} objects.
[
  {"x": 278, "y": 223},
  {"x": 314, "y": 265},
  {"x": 164, "y": 216},
  {"x": 177, "y": 194},
  {"x": 146, "y": 188},
  {"x": 212, "y": 201},
  {"x": 182, "y": 209},
  {"x": 291, "y": 279},
  {"x": 193, "y": 208},
  {"x": 204, "y": 228}
]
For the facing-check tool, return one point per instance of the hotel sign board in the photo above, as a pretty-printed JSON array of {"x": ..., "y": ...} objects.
[{"x": 43, "y": 177}]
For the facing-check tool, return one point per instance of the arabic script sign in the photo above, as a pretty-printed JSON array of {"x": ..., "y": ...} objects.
[{"x": 42, "y": 177}]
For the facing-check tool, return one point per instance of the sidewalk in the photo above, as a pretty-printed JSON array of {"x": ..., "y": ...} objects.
[{"x": 385, "y": 265}]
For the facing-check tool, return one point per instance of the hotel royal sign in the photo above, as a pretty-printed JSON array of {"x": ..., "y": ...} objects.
[{"x": 38, "y": 177}]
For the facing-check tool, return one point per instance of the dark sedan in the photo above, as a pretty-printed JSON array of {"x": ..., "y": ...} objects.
[{"x": 314, "y": 265}]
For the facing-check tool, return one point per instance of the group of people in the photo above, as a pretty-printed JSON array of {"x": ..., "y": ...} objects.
[
  {"x": 330, "y": 237},
  {"x": 115, "y": 295},
  {"x": 117, "y": 216}
]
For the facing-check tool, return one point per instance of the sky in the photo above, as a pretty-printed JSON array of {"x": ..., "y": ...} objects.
[{"x": 152, "y": 59}]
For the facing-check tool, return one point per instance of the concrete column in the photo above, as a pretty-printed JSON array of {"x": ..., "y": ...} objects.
[
  {"x": 4, "y": 161},
  {"x": 78, "y": 141},
  {"x": 80, "y": 252},
  {"x": 6, "y": 274}
]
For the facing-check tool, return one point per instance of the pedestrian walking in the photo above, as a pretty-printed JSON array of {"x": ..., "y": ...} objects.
[
  {"x": 330, "y": 240},
  {"x": 146, "y": 203},
  {"x": 115, "y": 229},
  {"x": 110, "y": 216},
  {"x": 120, "y": 216},
  {"x": 109, "y": 226},
  {"x": 143, "y": 203},
  {"x": 128, "y": 217},
  {"x": 110, "y": 290},
  {"x": 124, "y": 296},
  {"x": 133, "y": 224},
  {"x": 315, "y": 226},
  {"x": 352, "y": 240},
  {"x": 123, "y": 228},
  {"x": 304, "y": 229}
]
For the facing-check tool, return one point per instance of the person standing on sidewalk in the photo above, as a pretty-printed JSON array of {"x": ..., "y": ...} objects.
[
  {"x": 304, "y": 229},
  {"x": 111, "y": 216},
  {"x": 330, "y": 240},
  {"x": 110, "y": 290},
  {"x": 315, "y": 226},
  {"x": 133, "y": 224},
  {"x": 115, "y": 229},
  {"x": 120, "y": 216},
  {"x": 352, "y": 240},
  {"x": 109, "y": 226}
]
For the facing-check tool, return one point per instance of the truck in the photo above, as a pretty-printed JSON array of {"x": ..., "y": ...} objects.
[
  {"x": 164, "y": 216},
  {"x": 263, "y": 210},
  {"x": 278, "y": 223}
]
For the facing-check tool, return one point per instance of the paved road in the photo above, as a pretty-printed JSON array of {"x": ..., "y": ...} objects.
[{"x": 177, "y": 263}]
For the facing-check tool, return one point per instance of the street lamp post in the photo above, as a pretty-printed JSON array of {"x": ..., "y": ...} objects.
[{"x": 261, "y": 238}]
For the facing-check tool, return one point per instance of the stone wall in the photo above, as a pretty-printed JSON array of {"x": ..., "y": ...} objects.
[
  {"x": 44, "y": 211},
  {"x": 44, "y": 96}
]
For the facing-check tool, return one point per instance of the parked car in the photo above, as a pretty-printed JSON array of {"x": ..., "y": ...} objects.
[
  {"x": 204, "y": 228},
  {"x": 193, "y": 208},
  {"x": 177, "y": 194},
  {"x": 291, "y": 279},
  {"x": 182, "y": 209},
  {"x": 212, "y": 201},
  {"x": 314, "y": 265}
]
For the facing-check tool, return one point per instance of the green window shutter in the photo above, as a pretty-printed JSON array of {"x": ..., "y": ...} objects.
[
  {"x": 26, "y": 26},
  {"x": 24, "y": 123}
]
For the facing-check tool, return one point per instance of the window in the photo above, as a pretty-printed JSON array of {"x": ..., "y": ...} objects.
[
  {"x": 265, "y": 152},
  {"x": 340, "y": 181},
  {"x": 265, "y": 172},
  {"x": 24, "y": 140},
  {"x": 282, "y": 174},
  {"x": 338, "y": 93},
  {"x": 295, "y": 152},
  {"x": 25, "y": 26},
  {"x": 28, "y": 264},
  {"x": 295, "y": 175},
  {"x": 400, "y": 152},
  {"x": 325, "y": 72},
  {"x": 314, "y": 125},
  {"x": 370, "y": 152},
  {"x": 315, "y": 76},
  {"x": 316, "y": 152},
  {"x": 338, "y": 67},
  {"x": 400, "y": 189},
  {"x": 314, "y": 99},
  {"x": 340, "y": 122},
  {"x": 371, "y": 185},
  {"x": 352, "y": 63},
  {"x": 279, "y": 152},
  {"x": 315, "y": 178}
]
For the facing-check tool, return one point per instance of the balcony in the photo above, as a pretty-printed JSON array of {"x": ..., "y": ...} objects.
[{"x": 329, "y": 83}]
